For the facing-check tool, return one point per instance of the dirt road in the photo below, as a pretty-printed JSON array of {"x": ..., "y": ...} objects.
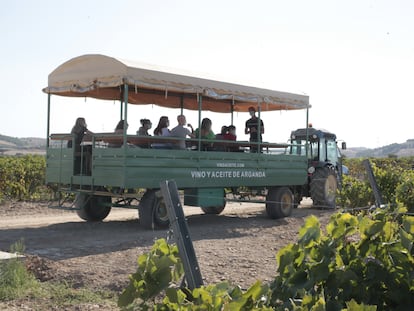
[{"x": 239, "y": 245}]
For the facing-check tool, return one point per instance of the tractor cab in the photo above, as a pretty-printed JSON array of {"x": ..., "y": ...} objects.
[
  {"x": 324, "y": 159},
  {"x": 322, "y": 147}
]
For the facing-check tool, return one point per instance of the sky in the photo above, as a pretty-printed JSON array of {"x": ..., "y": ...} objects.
[{"x": 354, "y": 59}]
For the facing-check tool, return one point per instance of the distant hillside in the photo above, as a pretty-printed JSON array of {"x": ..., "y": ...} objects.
[
  {"x": 399, "y": 150},
  {"x": 14, "y": 145}
]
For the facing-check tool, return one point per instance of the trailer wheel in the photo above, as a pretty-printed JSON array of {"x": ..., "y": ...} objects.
[
  {"x": 92, "y": 207},
  {"x": 279, "y": 202},
  {"x": 323, "y": 188},
  {"x": 153, "y": 211},
  {"x": 213, "y": 210}
]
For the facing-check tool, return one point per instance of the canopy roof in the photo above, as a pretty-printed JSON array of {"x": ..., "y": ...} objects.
[{"x": 104, "y": 77}]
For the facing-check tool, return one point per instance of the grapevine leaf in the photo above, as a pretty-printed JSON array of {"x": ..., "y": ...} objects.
[
  {"x": 319, "y": 305},
  {"x": 406, "y": 240},
  {"x": 408, "y": 224},
  {"x": 354, "y": 306},
  {"x": 310, "y": 231},
  {"x": 255, "y": 291}
]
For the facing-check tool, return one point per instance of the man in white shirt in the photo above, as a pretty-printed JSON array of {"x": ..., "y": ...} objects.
[{"x": 181, "y": 131}]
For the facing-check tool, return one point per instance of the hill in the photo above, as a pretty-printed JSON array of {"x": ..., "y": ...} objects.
[
  {"x": 397, "y": 150},
  {"x": 13, "y": 145}
]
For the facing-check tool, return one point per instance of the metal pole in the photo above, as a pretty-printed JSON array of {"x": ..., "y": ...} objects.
[
  {"x": 182, "y": 104},
  {"x": 126, "y": 113},
  {"x": 181, "y": 234},
  {"x": 259, "y": 127},
  {"x": 48, "y": 120},
  {"x": 232, "y": 109},
  {"x": 379, "y": 201},
  {"x": 199, "y": 99},
  {"x": 307, "y": 131}
]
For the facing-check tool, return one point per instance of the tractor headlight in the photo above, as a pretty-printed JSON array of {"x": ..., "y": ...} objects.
[{"x": 311, "y": 170}]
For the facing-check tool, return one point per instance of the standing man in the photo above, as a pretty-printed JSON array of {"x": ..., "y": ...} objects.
[
  {"x": 252, "y": 128},
  {"x": 181, "y": 131}
]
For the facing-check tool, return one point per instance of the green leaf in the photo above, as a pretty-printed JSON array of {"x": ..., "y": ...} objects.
[
  {"x": 285, "y": 257},
  {"x": 354, "y": 306},
  {"x": 255, "y": 291},
  {"x": 310, "y": 231},
  {"x": 162, "y": 246},
  {"x": 175, "y": 295},
  {"x": 369, "y": 228},
  {"x": 406, "y": 240},
  {"x": 408, "y": 224},
  {"x": 319, "y": 272},
  {"x": 319, "y": 305}
]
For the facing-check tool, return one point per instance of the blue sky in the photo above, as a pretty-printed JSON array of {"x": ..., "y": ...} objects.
[{"x": 355, "y": 59}]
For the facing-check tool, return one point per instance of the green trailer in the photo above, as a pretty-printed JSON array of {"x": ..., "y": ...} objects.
[{"x": 102, "y": 176}]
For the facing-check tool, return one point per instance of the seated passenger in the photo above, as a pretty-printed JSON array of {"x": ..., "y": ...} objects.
[
  {"x": 220, "y": 146},
  {"x": 143, "y": 131},
  {"x": 223, "y": 131},
  {"x": 182, "y": 132},
  {"x": 119, "y": 129},
  {"x": 162, "y": 130},
  {"x": 205, "y": 133},
  {"x": 231, "y": 135},
  {"x": 145, "y": 126},
  {"x": 227, "y": 133}
]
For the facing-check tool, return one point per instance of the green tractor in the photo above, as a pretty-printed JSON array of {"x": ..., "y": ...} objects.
[{"x": 325, "y": 167}]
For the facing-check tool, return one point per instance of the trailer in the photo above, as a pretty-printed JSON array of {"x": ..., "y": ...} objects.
[{"x": 101, "y": 176}]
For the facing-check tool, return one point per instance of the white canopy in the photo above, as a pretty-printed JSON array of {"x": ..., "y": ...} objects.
[{"x": 103, "y": 77}]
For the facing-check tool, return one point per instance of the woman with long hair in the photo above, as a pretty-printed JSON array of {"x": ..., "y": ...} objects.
[{"x": 162, "y": 130}]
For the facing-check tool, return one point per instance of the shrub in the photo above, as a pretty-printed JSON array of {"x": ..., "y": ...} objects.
[
  {"x": 15, "y": 280},
  {"x": 354, "y": 193},
  {"x": 366, "y": 258},
  {"x": 23, "y": 178},
  {"x": 362, "y": 262},
  {"x": 405, "y": 190}
]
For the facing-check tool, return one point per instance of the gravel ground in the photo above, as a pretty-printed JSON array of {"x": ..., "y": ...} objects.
[{"x": 238, "y": 245}]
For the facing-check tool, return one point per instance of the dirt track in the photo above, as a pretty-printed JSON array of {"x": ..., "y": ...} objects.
[{"x": 239, "y": 245}]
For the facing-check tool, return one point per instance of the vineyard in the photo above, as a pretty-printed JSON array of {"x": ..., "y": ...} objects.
[
  {"x": 23, "y": 178},
  {"x": 361, "y": 259}
]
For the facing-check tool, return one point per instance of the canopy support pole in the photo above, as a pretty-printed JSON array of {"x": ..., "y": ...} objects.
[
  {"x": 200, "y": 103},
  {"x": 48, "y": 120},
  {"x": 125, "y": 103},
  {"x": 307, "y": 131},
  {"x": 182, "y": 105},
  {"x": 259, "y": 126},
  {"x": 232, "y": 110}
]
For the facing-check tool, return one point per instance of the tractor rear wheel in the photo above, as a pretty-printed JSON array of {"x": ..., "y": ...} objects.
[
  {"x": 279, "y": 202},
  {"x": 323, "y": 187}
]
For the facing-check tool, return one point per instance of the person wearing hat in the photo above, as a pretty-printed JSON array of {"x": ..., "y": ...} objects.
[{"x": 252, "y": 128}]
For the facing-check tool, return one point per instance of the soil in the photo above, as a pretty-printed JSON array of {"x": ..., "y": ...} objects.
[{"x": 238, "y": 245}]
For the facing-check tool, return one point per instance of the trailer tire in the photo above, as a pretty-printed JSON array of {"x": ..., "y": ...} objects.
[
  {"x": 153, "y": 211},
  {"x": 92, "y": 207},
  {"x": 323, "y": 188},
  {"x": 279, "y": 202},
  {"x": 213, "y": 210}
]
